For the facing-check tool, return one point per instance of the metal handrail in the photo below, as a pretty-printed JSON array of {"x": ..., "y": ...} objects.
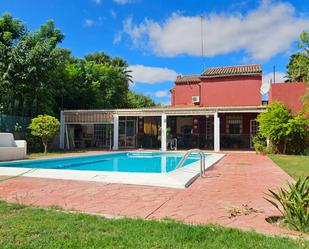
[{"x": 188, "y": 153}]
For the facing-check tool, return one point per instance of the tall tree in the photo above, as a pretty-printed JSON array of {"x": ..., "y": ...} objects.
[
  {"x": 136, "y": 100},
  {"x": 39, "y": 77},
  {"x": 298, "y": 67}
]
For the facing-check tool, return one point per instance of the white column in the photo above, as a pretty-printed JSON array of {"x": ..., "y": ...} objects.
[
  {"x": 116, "y": 130},
  {"x": 216, "y": 132},
  {"x": 62, "y": 130},
  {"x": 163, "y": 164},
  {"x": 163, "y": 132}
]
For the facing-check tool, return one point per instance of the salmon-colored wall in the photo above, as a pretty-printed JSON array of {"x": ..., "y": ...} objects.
[
  {"x": 289, "y": 93},
  {"x": 232, "y": 91},
  {"x": 183, "y": 94},
  {"x": 225, "y": 91}
]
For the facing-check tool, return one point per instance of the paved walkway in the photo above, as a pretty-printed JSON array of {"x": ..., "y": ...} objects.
[{"x": 238, "y": 179}]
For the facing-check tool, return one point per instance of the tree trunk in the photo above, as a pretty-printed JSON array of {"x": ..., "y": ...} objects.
[
  {"x": 45, "y": 146},
  {"x": 284, "y": 146}
]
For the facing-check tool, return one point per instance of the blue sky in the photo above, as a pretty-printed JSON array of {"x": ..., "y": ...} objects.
[{"x": 162, "y": 38}]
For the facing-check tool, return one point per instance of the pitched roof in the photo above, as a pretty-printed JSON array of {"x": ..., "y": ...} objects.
[
  {"x": 232, "y": 71},
  {"x": 220, "y": 72},
  {"x": 188, "y": 78}
]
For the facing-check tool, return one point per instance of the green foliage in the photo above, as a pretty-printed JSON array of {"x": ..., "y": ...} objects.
[
  {"x": 298, "y": 67},
  {"x": 285, "y": 132},
  {"x": 136, "y": 100},
  {"x": 10, "y": 29},
  {"x": 44, "y": 127},
  {"x": 39, "y": 77},
  {"x": 294, "y": 204},
  {"x": 259, "y": 143},
  {"x": 272, "y": 122}
]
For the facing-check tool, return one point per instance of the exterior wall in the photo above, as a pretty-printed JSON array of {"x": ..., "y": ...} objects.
[
  {"x": 231, "y": 91},
  {"x": 183, "y": 93},
  {"x": 224, "y": 91},
  {"x": 288, "y": 93}
]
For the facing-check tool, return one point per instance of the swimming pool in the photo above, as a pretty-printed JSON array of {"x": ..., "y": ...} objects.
[
  {"x": 147, "y": 162},
  {"x": 135, "y": 167}
]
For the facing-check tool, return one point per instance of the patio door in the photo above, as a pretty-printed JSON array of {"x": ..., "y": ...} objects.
[
  {"x": 103, "y": 134},
  {"x": 253, "y": 131},
  {"x": 127, "y": 132}
]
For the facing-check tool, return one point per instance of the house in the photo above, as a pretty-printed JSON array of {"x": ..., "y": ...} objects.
[
  {"x": 213, "y": 110},
  {"x": 289, "y": 93}
]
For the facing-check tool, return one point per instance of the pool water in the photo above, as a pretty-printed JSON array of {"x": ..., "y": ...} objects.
[{"x": 146, "y": 162}]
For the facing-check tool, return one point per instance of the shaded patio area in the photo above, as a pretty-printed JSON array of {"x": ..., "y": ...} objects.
[{"x": 238, "y": 179}]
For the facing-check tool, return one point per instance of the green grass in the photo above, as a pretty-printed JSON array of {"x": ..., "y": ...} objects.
[
  {"x": 30, "y": 227},
  {"x": 54, "y": 153},
  {"x": 295, "y": 166}
]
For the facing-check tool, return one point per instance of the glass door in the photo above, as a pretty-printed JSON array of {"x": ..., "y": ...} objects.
[
  {"x": 253, "y": 131},
  {"x": 127, "y": 132},
  {"x": 103, "y": 135},
  {"x": 131, "y": 133}
]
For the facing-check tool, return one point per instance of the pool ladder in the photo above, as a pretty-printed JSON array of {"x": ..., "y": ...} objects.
[{"x": 202, "y": 161}]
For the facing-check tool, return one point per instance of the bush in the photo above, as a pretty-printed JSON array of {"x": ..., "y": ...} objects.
[
  {"x": 44, "y": 127},
  {"x": 294, "y": 204},
  {"x": 286, "y": 133},
  {"x": 34, "y": 144},
  {"x": 259, "y": 142}
]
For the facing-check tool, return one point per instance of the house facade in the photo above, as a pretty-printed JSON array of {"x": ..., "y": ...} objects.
[{"x": 213, "y": 110}]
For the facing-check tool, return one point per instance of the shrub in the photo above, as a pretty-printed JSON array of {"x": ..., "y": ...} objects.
[
  {"x": 294, "y": 204},
  {"x": 259, "y": 142},
  {"x": 286, "y": 133},
  {"x": 44, "y": 127}
]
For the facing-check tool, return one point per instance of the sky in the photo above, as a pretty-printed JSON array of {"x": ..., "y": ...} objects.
[{"x": 162, "y": 39}]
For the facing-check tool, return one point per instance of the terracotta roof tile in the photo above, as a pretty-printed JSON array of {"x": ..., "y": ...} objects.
[
  {"x": 188, "y": 78},
  {"x": 232, "y": 70},
  {"x": 220, "y": 71}
]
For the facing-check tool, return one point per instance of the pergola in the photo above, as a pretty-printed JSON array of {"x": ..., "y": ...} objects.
[{"x": 111, "y": 116}]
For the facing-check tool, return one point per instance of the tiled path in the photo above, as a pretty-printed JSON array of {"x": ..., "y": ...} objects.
[{"x": 238, "y": 179}]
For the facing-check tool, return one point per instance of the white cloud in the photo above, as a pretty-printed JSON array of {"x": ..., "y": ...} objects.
[
  {"x": 113, "y": 14},
  {"x": 97, "y": 1},
  {"x": 117, "y": 38},
  {"x": 269, "y": 77},
  {"x": 261, "y": 33},
  {"x": 161, "y": 93},
  {"x": 122, "y": 1},
  {"x": 151, "y": 75},
  {"x": 88, "y": 22}
]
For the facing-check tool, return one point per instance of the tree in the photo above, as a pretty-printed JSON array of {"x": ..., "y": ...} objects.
[
  {"x": 39, "y": 77},
  {"x": 27, "y": 67},
  {"x": 44, "y": 127},
  {"x": 282, "y": 129},
  {"x": 136, "y": 100},
  {"x": 298, "y": 67}
]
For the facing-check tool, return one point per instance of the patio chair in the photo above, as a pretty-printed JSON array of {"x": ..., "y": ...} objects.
[{"x": 11, "y": 149}]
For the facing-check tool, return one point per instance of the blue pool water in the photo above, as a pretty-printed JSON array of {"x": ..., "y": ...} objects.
[{"x": 149, "y": 162}]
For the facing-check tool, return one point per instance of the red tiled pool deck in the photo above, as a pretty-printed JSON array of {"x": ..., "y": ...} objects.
[{"x": 238, "y": 179}]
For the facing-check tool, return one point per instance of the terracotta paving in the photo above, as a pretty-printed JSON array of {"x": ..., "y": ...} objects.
[{"x": 238, "y": 179}]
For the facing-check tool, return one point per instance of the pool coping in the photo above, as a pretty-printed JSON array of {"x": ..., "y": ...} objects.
[{"x": 179, "y": 178}]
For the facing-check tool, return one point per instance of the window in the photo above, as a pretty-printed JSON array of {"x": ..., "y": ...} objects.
[
  {"x": 234, "y": 128},
  {"x": 234, "y": 125}
]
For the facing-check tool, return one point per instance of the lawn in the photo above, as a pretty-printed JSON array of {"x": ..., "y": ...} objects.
[
  {"x": 30, "y": 227},
  {"x": 295, "y": 166}
]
